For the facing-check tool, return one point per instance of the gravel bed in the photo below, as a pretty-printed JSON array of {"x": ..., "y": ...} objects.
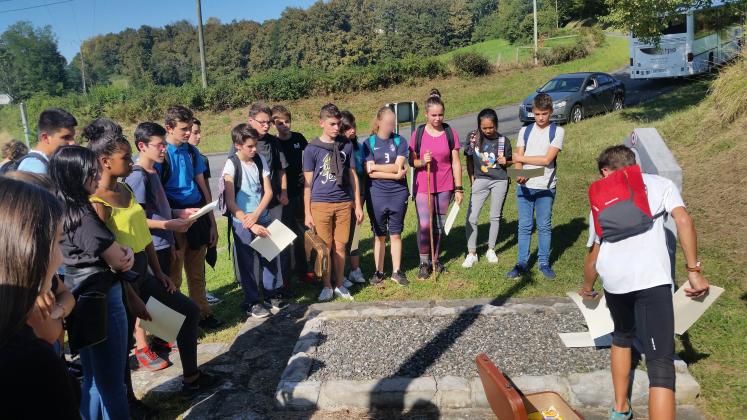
[{"x": 519, "y": 344}]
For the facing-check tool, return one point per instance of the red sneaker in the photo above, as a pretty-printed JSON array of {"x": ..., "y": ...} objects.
[{"x": 150, "y": 360}]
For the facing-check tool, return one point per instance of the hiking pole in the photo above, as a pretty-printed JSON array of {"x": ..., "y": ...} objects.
[{"x": 430, "y": 217}]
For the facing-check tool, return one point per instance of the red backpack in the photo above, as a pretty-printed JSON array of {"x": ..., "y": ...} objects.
[{"x": 619, "y": 205}]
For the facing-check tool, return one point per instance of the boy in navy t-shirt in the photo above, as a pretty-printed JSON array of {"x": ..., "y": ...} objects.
[{"x": 331, "y": 195}]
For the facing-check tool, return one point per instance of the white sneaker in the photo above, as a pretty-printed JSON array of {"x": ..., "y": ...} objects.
[
  {"x": 326, "y": 294},
  {"x": 211, "y": 300},
  {"x": 469, "y": 261},
  {"x": 347, "y": 283},
  {"x": 491, "y": 257},
  {"x": 343, "y": 293},
  {"x": 356, "y": 276}
]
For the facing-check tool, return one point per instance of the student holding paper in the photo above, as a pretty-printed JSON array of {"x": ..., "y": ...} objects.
[
  {"x": 487, "y": 154},
  {"x": 434, "y": 146},
  {"x": 385, "y": 157},
  {"x": 537, "y": 146},
  {"x": 248, "y": 206},
  {"x": 116, "y": 206},
  {"x": 637, "y": 280}
]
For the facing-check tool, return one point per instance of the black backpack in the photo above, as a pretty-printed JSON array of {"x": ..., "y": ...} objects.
[
  {"x": 14, "y": 164},
  {"x": 166, "y": 165},
  {"x": 419, "y": 138}
]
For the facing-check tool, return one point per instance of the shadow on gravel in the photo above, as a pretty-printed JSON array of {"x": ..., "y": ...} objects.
[{"x": 416, "y": 365}]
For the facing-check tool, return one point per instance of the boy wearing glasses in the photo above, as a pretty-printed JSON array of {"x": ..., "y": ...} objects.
[{"x": 268, "y": 146}]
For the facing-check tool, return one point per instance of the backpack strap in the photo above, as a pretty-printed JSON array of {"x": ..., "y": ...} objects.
[
  {"x": 419, "y": 138},
  {"x": 553, "y": 131},
  {"x": 372, "y": 142},
  {"x": 16, "y": 164},
  {"x": 449, "y": 137},
  {"x": 166, "y": 168}
]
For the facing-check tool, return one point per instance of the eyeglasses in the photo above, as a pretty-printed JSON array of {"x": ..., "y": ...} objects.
[
  {"x": 159, "y": 146},
  {"x": 267, "y": 122}
]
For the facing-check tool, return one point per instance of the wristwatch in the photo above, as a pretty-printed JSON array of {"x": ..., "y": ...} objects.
[{"x": 695, "y": 269}]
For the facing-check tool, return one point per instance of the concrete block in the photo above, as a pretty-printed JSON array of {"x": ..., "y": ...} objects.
[
  {"x": 298, "y": 368},
  {"x": 294, "y": 395},
  {"x": 453, "y": 392}
]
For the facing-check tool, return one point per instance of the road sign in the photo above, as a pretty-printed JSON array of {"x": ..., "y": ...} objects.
[{"x": 5, "y": 99}]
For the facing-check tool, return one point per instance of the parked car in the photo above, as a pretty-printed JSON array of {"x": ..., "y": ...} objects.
[{"x": 577, "y": 96}]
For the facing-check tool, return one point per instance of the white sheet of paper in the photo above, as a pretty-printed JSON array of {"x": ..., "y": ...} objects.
[
  {"x": 166, "y": 322},
  {"x": 451, "y": 218},
  {"x": 279, "y": 239},
  {"x": 688, "y": 310},
  {"x": 356, "y": 238},
  {"x": 583, "y": 339},
  {"x": 596, "y": 314},
  {"x": 204, "y": 210}
]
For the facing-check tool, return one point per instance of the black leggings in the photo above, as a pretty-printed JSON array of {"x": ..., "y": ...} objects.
[
  {"x": 187, "y": 338},
  {"x": 647, "y": 314}
]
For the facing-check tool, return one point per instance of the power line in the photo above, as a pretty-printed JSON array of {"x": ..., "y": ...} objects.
[{"x": 35, "y": 7}]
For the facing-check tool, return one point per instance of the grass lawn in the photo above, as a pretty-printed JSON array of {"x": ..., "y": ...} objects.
[{"x": 714, "y": 347}]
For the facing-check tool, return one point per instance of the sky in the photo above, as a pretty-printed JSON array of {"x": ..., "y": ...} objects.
[{"x": 73, "y": 21}]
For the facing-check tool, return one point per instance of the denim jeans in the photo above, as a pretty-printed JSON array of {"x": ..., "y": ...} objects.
[
  {"x": 531, "y": 202},
  {"x": 246, "y": 272},
  {"x": 104, "y": 394}
]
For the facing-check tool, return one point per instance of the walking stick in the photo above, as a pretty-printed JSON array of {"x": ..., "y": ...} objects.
[{"x": 430, "y": 217}]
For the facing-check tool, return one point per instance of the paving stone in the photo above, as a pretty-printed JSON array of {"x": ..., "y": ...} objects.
[
  {"x": 591, "y": 389},
  {"x": 299, "y": 366},
  {"x": 531, "y": 383},
  {"x": 297, "y": 395},
  {"x": 305, "y": 346},
  {"x": 639, "y": 391},
  {"x": 453, "y": 392},
  {"x": 479, "y": 400},
  {"x": 339, "y": 314},
  {"x": 687, "y": 388},
  {"x": 392, "y": 392}
]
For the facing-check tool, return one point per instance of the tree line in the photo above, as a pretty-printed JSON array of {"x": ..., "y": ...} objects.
[{"x": 326, "y": 36}]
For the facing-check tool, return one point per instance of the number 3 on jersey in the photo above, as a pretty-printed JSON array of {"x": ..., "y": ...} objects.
[{"x": 386, "y": 156}]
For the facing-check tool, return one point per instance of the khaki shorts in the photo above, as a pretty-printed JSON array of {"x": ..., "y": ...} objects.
[{"x": 332, "y": 221}]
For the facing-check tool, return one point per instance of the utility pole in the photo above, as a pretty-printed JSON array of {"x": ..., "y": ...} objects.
[
  {"x": 536, "y": 45},
  {"x": 201, "y": 40},
  {"x": 25, "y": 122},
  {"x": 83, "y": 69},
  {"x": 557, "y": 16}
]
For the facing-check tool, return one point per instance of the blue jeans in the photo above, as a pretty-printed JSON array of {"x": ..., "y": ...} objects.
[
  {"x": 104, "y": 394},
  {"x": 246, "y": 273},
  {"x": 531, "y": 202}
]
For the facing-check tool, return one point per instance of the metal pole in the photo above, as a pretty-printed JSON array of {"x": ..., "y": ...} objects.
[
  {"x": 534, "y": 6},
  {"x": 83, "y": 69},
  {"x": 25, "y": 122},
  {"x": 201, "y": 40},
  {"x": 557, "y": 16}
]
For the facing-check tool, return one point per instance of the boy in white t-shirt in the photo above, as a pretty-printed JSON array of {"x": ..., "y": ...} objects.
[
  {"x": 535, "y": 196},
  {"x": 636, "y": 273},
  {"x": 248, "y": 206}
]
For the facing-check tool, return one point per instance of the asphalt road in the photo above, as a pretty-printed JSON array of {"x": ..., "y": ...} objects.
[{"x": 637, "y": 91}]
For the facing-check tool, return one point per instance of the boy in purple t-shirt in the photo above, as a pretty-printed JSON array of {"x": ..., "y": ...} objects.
[{"x": 331, "y": 194}]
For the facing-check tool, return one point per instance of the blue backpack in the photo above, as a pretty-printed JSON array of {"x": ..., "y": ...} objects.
[{"x": 553, "y": 130}]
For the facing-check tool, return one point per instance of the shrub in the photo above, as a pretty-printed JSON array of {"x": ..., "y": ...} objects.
[
  {"x": 563, "y": 53},
  {"x": 471, "y": 64}
]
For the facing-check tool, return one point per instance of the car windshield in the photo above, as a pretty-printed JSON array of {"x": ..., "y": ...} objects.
[{"x": 563, "y": 85}]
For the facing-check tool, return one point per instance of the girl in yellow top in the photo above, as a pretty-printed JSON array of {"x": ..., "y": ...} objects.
[{"x": 115, "y": 204}]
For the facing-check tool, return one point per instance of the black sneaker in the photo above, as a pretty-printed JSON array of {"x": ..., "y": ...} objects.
[
  {"x": 517, "y": 272},
  {"x": 203, "y": 382},
  {"x": 440, "y": 267},
  {"x": 258, "y": 310},
  {"x": 210, "y": 323},
  {"x": 425, "y": 270},
  {"x": 377, "y": 278},
  {"x": 400, "y": 278},
  {"x": 277, "y": 302}
]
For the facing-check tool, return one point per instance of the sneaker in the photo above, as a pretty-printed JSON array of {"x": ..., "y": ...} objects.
[
  {"x": 210, "y": 323},
  {"x": 400, "y": 278},
  {"x": 347, "y": 283},
  {"x": 308, "y": 278},
  {"x": 277, "y": 302},
  {"x": 377, "y": 278},
  {"x": 425, "y": 270},
  {"x": 440, "y": 267},
  {"x": 517, "y": 272},
  {"x": 616, "y": 415},
  {"x": 202, "y": 383},
  {"x": 149, "y": 360},
  {"x": 491, "y": 257},
  {"x": 470, "y": 261},
  {"x": 547, "y": 271},
  {"x": 326, "y": 294},
  {"x": 356, "y": 276},
  {"x": 343, "y": 293},
  {"x": 212, "y": 300},
  {"x": 162, "y": 347},
  {"x": 258, "y": 310}
]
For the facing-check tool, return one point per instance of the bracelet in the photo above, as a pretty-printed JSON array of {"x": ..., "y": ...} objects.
[
  {"x": 695, "y": 269},
  {"x": 459, "y": 188}
]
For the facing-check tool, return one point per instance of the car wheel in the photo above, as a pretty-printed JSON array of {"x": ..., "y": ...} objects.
[
  {"x": 577, "y": 114},
  {"x": 618, "y": 104}
]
